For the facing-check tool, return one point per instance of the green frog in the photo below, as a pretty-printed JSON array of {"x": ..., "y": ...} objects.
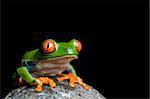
[{"x": 51, "y": 59}]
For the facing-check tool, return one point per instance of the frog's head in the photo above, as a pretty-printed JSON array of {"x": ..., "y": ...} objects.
[{"x": 61, "y": 51}]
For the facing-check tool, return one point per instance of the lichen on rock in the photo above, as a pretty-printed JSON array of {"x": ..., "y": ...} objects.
[{"x": 62, "y": 91}]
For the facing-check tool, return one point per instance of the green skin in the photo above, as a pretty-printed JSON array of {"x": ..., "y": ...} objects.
[{"x": 63, "y": 49}]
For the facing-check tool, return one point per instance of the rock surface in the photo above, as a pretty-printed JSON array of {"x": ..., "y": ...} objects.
[{"x": 62, "y": 91}]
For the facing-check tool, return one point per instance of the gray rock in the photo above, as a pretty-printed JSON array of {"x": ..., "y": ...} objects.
[{"x": 62, "y": 91}]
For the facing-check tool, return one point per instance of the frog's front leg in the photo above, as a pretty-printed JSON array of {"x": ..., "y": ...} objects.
[
  {"x": 73, "y": 78},
  {"x": 25, "y": 75}
]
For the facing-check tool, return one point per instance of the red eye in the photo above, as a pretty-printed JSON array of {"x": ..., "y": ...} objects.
[
  {"x": 78, "y": 45},
  {"x": 48, "y": 46}
]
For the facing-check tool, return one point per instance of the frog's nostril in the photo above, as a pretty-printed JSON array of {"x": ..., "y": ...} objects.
[{"x": 68, "y": 50}]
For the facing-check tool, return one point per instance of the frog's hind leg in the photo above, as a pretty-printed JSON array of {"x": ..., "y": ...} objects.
[{"x": 73, "y": 78}]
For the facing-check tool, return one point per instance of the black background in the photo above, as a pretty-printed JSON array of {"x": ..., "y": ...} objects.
[{"x": 114, "y": 58}]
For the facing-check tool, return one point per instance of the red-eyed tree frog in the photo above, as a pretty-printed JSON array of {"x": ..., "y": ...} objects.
[{"x": 51, "y": 59}]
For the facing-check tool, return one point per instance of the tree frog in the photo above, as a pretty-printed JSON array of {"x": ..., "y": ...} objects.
[{"x": 51, "y": 59}]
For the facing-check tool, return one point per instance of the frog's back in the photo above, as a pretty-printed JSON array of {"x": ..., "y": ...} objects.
[
  {"x": 30, "y": 55},
  {"x": 28, "y": 60}
]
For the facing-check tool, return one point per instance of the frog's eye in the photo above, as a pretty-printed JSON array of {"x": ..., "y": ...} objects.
[
  {"x": 48, "y": 46},
  {"x": 78, "y": 45}
]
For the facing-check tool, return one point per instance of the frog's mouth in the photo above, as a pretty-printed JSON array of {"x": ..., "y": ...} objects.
[{"x": 60, "y": 60}]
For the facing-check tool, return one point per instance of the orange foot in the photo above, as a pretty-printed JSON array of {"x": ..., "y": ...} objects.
[
  {"x": 44, "y": 80},
  {"x": 73, "y": 79}
]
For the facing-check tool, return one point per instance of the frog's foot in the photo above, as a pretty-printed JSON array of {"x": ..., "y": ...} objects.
[
  {"x": 73, "y": 79},
  {"x": 44, "y": 80}
]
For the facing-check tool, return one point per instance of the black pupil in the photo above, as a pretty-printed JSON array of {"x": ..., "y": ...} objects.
[{"x": 48, "y": 45}]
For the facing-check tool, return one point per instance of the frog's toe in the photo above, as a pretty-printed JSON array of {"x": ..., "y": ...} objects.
[
  {"x": 72, "y": 84},
  {"x": 38, "y": 89},
  {"x": 85, "y": 86},
  {"x": 52, "y": 83},
  {"x": 44, "y": 80},
  {"x": 39, "y": 86},
  {"x": 73, "y": 79},
  {"x": 65, "y": 76}
]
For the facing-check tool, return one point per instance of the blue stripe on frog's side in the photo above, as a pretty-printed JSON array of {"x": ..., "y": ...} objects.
[{"x": 30, "y": 65}]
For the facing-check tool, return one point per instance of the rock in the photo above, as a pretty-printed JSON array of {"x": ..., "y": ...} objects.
[{"x": 62, "y": 91}]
